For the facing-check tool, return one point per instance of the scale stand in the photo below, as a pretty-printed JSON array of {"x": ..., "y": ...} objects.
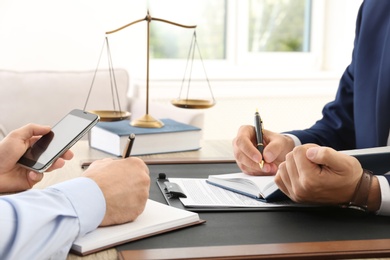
[{"x": 147, "y": 120}]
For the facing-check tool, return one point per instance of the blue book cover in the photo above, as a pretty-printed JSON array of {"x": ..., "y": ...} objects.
[
  {"x": 123, "y": 127},
  {"x": 111, "y": 137}
]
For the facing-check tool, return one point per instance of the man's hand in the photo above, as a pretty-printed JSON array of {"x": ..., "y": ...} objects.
[
  {"x": 14, "y": 177},
  {"x": 125, "y": 186},
  {"x": 320, "y": 175},
  {"x": 248, "y": 157}
]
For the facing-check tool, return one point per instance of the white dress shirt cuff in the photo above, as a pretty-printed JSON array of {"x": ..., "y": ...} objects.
[
  {"x": 87, "y": 200},
  {"x": 385, "y": 194}
]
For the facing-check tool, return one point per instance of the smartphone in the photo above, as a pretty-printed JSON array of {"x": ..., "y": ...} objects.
[{"x": 63, "y": 135}]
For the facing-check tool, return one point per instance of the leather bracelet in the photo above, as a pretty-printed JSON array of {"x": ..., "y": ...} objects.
[{"x": 360, "y": 197}]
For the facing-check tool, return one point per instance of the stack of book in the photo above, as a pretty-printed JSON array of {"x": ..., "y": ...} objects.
[{"x": 111, "y": 137}]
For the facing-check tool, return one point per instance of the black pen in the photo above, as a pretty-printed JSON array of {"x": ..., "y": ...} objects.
[
  {"x": 129, "y": 146},
  {"x": 259, "y": 136}
]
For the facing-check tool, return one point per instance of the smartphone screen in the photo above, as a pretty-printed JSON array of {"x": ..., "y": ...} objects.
[{"x": 63, "y": 135}]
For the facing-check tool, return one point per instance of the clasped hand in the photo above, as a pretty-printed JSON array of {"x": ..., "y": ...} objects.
[{"x": 320, "y": 175}]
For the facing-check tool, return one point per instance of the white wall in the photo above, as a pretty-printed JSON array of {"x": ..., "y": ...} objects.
[
  {"x": 65, "y": 35},
  {"x": 292, "y": 103},
  {"x": 68, "y": 35}
]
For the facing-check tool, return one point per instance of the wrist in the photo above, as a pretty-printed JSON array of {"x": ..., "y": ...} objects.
[
  {"x": 360, "y": 197},
  {"x": 292, "y": 140},
  {"x": 289, "y": 143}
]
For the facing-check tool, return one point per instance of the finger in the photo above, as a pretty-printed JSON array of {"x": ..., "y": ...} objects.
[
  {"x": 289, "y": 173},
  {"x": 248, "y": 155},
  {"x": 329, "y": 157},
  {"x": 302, "y": 163},
  {"x": 276, "y": 146},
  {"x": 271, "y": 149},
  {"x": 68, "y": 155},
  {"x": 267, "y": 170},
  {"x": 279, "y": 178},
  {"x": 248, "y": 166},
  {"x": 34, "y": 178},
  {"x": 59, "y": 163},
  {"x": 283, "y": 181},
  {"x": 244, "y": 145},
  {"x": 30, "y": 130},
  {"x": 303, "y": 172}
]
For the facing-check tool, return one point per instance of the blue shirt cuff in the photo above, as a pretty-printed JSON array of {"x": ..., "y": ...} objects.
[{"x": 87, "y": 200}]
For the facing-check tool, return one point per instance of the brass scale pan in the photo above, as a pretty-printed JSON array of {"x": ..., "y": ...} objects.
[{"x": 113, "y": 115}]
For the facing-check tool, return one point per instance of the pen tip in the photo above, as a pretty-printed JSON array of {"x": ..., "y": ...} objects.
[{"x": 261, "y": 164}]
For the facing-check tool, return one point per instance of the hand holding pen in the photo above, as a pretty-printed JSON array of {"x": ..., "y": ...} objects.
[{"x": 259, "y": 136}]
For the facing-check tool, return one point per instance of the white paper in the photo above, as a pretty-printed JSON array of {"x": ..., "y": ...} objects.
[{"x": 201, "y": 194}]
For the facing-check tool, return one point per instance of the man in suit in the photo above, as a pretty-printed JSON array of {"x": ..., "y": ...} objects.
[{"x": 357, "y": 118}]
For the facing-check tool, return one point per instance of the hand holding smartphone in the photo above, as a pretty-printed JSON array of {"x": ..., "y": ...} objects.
[{"x": 63, "y": 136}]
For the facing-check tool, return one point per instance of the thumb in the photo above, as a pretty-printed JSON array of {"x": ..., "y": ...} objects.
[
  {"x": 328, "y": 157},
  {"x": 34, "y": 178}
]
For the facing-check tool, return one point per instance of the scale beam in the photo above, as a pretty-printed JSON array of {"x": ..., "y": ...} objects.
[{"x": 149, "y": 18}]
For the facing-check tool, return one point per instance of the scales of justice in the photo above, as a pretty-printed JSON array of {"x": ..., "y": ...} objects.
[{"x": 147, "y": 120}]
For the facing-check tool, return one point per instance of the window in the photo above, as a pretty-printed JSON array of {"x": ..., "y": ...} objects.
[
  {"x": 267, "y": 25},
  {"x": 235, "y": 33},
  {"x": 173, "y": 42},
  {"x": 279, "y": 26}
]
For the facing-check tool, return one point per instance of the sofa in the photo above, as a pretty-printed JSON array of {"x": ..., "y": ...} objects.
[{"x": 44, "y": 97}]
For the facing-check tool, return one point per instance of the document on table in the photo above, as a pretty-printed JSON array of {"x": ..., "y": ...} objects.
[{"x": 202, "y": 194}]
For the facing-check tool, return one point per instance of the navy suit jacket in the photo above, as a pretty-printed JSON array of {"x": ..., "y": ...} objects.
[{"x": 359, "y": 117}]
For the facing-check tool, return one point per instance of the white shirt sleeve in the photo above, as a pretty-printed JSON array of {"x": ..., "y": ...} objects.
[
  {"x": 385, "y": 195},
  {"x": 42, "y": 224}
]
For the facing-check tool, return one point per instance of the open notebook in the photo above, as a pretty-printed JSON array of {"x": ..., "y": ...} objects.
[
  {"x": 258, "y": 187},
  {"x": 157, "y": 218}
]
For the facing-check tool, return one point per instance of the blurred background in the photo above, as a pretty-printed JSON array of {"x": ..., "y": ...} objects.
[{"x": 282, "y": 57}]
